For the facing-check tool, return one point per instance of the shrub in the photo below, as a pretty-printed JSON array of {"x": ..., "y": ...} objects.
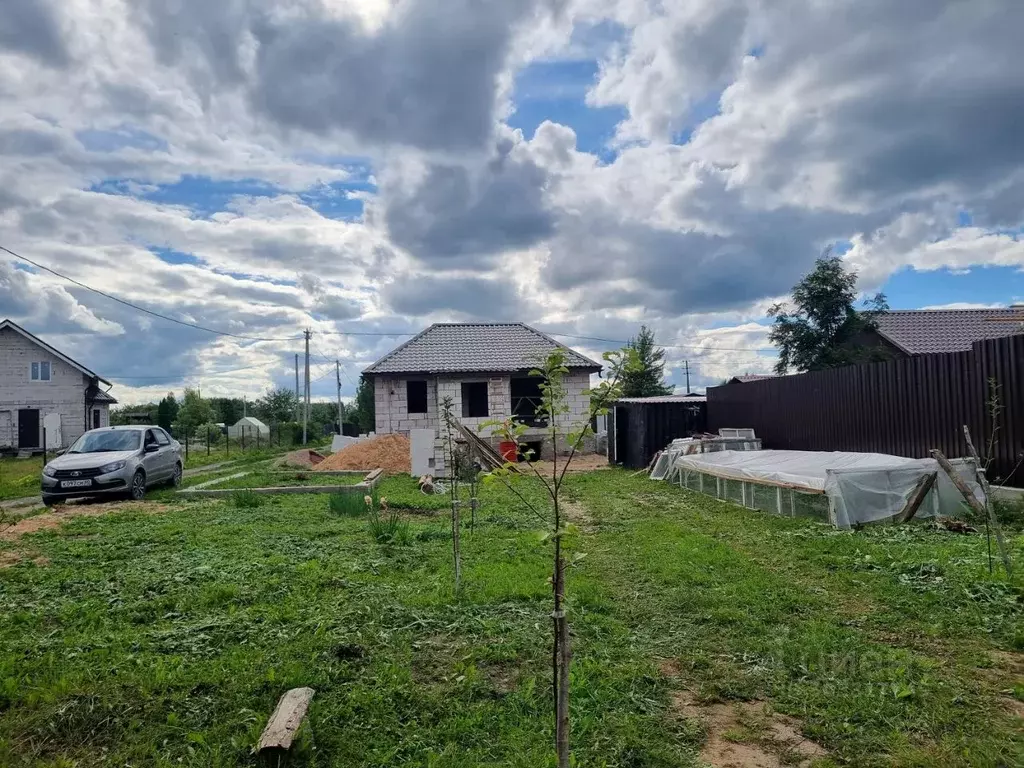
[
  {"x": 209, "y": 434},
  {"x": 247, "y": 499},
  {"x": 346, "y": 504}
]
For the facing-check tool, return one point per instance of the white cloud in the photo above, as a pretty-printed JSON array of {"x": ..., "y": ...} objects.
[{"x": 871, "y": 122}]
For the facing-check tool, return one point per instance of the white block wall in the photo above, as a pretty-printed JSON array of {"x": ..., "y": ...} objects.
[
  {"x": 63, "y": 394},
  {"x": 391, "y": 403}
]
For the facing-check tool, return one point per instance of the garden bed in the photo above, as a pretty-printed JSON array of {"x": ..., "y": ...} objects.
[{"x": 290, "y": 481}]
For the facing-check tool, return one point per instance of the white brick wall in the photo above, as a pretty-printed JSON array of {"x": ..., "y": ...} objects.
[
  {"x": 63, "y": 394},
  {"x": 392, "y": 414}
]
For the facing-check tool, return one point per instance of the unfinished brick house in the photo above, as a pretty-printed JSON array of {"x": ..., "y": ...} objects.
[{"x": 485, "y": 369}]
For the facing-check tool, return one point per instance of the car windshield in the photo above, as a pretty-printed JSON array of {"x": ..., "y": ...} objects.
[{"x": 107, "y": 441}]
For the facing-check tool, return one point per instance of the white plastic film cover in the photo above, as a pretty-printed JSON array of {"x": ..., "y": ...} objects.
[{"x": 861, "y": 487}]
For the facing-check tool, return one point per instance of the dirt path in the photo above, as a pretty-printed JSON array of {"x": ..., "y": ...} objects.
[
  {"x": 61, "y": 514},
  {"x": 743, "y": 734}
]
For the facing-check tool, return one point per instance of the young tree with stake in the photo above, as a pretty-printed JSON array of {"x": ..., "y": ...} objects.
[{"x": 555, "y": 409}]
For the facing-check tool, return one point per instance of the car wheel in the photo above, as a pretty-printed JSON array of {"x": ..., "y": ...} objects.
[
  {"x": 138, "y": 486},
  {"x": 49, "y": 501},
  {"x": 176, "y": 476}
]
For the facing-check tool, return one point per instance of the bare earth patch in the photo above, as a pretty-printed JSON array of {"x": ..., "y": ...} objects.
[
  {"x": 61, "y": 514},
  {"x": 578, "y": 515},
  {"x": 744, "y": 734},
  {"x": 581, "y": 462},
  {"x": 7, "y": 559}
]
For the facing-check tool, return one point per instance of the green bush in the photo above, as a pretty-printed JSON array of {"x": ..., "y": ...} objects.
[
  {"x": 247, "y": 499},
  {"x": 347, "y": 504},
  {"x": 1009, "y": 513},
  {"x": 208, "y": 434}
]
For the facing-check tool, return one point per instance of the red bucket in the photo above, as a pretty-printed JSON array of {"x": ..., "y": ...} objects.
[{"x": 509, "y": 450}]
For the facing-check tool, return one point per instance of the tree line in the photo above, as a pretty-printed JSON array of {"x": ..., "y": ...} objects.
[{"x": 192, "y": 413}]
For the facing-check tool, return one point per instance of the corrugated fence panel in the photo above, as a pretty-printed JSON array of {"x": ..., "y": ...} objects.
[{"x": 904, "y": 407}]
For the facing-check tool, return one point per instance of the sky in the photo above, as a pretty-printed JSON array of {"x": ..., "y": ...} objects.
[{"x": 364, "y": 168}]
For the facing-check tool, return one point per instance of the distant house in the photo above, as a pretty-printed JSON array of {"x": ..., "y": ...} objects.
[
  {"x": 484, "y": 368},
  {"x": 42, "y": 387},
  {"x": 909, "y": 332}
]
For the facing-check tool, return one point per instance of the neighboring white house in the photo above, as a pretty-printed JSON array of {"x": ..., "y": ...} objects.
[
  {"x": 248, "y": 427},
  {"x": 485, "y": 369},
  {"x": 40, "y": 385}
]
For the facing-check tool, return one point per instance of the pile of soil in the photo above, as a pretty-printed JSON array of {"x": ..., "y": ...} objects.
[
  {"x": 302, "y": 459},
  {"x": 389, "y": 452}
]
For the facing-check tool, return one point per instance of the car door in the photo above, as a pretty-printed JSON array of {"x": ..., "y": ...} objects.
[
  {"x": 167, "y": 452},
  {"x": 153, "y": 461}
]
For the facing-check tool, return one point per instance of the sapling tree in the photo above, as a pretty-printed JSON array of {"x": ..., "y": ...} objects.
[
  {"x": 567, "y": 437},
  {"x": 451, "y": 462}
]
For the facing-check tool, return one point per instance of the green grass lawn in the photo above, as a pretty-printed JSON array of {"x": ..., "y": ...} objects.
[
  {"x": 166, "y": 639},
  {"x": 261, "y": 478},
  {"x": 20, "y": 477}
]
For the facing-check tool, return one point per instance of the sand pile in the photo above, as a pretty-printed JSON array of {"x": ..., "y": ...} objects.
[
  {"x": 389, "y": 452},
  {"x": 303, "y": 459}
]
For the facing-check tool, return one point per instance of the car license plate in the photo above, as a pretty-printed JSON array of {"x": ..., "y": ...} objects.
[{"x": 75, "y": 483}]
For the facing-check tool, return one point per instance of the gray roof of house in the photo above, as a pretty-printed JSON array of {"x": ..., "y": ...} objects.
[
  {"x": 749, "y": 377},
  {"x": 927, "y": 331},
  {"x": 476, "y": 347}
]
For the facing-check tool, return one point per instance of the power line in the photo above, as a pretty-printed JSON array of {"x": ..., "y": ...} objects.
[
  {"x": 217, "y": 332},
  {"x": 188, "y": 375},
  {"x": 667, "y": 346},
  {"x": 98, "y": 292}
]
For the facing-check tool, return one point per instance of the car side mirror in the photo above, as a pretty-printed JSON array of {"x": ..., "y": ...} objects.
[
  {"x": 60, "y": 451},
  {"x": 152, "y": 447}
]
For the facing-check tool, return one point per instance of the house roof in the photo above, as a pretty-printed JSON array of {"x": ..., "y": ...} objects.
[
  {"x": 692, "y": 397},
  {"x": 476, "y": 347},
  {"x": 927, "y": 331},
  {"x": 748, "y": 377},
  {"x": 98, "y": 396},
  {"x": 39, "y": 342}
]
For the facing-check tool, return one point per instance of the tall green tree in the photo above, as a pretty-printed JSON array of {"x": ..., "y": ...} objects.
[
  {"x": 365, "y": 408},
  {"x": 276, "y": 405},
  {"x": 646, "y": 378},
  {"x": 822, "y": 329},
  {"x": 193, "y": 411},
  {"x": 167, "y": 411}
]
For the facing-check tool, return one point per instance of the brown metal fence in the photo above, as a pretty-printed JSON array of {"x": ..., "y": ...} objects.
[{"x": 904, "y": 407}]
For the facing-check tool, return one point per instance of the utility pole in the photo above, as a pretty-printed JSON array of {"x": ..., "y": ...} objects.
[
  {"x": 687, "y": 364},
  {"x": 337, "y": 374},
  {"x": 305, "y": 412},
  {"x": 245, "y": 406},
  {"x": 296, "y": 387}
]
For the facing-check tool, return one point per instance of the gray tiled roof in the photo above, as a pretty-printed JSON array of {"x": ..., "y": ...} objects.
[
  {"x": 926, "y": 331},
  {"x": 480, "y": 347}
]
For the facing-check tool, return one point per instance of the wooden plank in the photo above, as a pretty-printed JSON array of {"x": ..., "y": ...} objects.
[
  {"x": 285, "y": 722},
  {"x": 487, "y": 454},
  {"x": 916, "y": 497}
]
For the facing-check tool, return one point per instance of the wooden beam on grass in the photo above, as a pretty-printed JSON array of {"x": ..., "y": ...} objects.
[
  {"x": 285, "y": 722},
  {"x": 924, "y": 485},
  {"x": 972, "y": 501}
]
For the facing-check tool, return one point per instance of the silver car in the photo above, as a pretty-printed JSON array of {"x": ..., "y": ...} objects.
[{"x": 113, "y": 460}]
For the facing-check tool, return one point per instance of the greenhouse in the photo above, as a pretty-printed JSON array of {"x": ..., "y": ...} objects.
[{"x": 843, "y": 487}]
